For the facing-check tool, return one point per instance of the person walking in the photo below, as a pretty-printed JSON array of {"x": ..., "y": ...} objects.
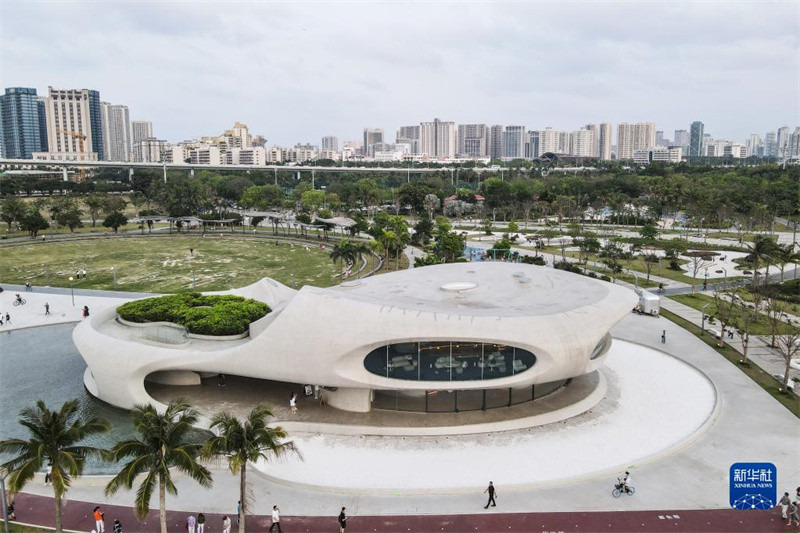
[
  {"x": 784, "y": 503},
  {"x": 293, "y": 403},
  {"x": 342, "y": 521},
  {"x": 201, "y": 523},
  {"x": 226, "y": 525},
  {"x": 48, "y": 474},
  {"x": 85, "y": 312},
  {"x": 191, "y": 523},
  {"x": 492, "y": 495},
  {"x": 8, "y": 319},
  {"x": 46, "y": 309},
  {"x": 117, "y": 526},
  {"x": 793, "y": 514},
  {"x": 99, "y": 520},
  {"x": 276, "y": 519},
  {"x": 664, "y": 337},
  {"x": 239, "y": 511}
]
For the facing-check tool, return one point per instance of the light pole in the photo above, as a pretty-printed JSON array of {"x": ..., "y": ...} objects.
[
  {"x": 703, "y": 320},
  {"x": 72, "y": 291}
]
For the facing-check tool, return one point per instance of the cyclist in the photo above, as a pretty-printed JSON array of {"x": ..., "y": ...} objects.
[
  {"x": 626, "y": 480},
  {"x": 18, "y": 299}
]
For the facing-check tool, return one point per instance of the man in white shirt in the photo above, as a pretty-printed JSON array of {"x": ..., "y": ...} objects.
[
  {"x": 276, "y": 519},
  {"x": 626, "y": 481}
]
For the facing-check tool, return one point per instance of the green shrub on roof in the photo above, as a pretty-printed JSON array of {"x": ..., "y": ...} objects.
[{"x": 204, "y": 315}]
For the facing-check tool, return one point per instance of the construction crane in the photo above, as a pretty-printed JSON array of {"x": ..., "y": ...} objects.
[{"x": 81, "y": 137}]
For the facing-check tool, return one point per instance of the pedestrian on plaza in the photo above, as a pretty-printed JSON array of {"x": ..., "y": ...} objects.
[
  {"x": 117, "y": 526},
  {"x": 784, "y": 503},
  {"x": 226, "y": 525},
  {"x": 191, "y": 522},
  {"x": 49, "y": 473},
  {"x": 1, "y": 320},
  {"x": 293, "y": 403},
  {"x": 8, "y": 319},
  {"x": 276, "y": 519},
  {"x": 201, "y": 523},
  {"x": 28, "y": 286},
  {"x": 239, "y": 511},
  {"x": 46, "y": 309},
  {"x": 492, "y": 495},
  {"x": 664, "y": 337},
  {"x": 85, "y": 312},
  {"x": 793, "y": 514},
  {"x": 342, "y": 521},
  {"x": 99, "y": 520},
  {"x": 10, "y": 510}
]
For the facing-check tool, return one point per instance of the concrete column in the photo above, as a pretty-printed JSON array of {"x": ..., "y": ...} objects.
[
  {"x": 64, "y": 173},
  {"x": 355, "y": 400},
  {"x": 130, "y": 174}
]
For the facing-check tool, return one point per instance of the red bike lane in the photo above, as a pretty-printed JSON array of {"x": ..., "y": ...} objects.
[{"x": 77, "y": 516}]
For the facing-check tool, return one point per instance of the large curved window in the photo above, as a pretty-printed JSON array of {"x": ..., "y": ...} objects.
[
  {"x": 448, "y": 361},
  {"x": 602, "y": 347}
]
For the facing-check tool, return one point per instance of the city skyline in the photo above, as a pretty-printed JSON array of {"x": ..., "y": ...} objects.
[{"x": 344, "y": 67}]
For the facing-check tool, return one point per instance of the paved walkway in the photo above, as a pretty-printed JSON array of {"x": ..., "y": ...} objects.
[{"x": 77, "y": 516}]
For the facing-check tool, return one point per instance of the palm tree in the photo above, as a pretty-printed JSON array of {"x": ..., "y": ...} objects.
[
  {"x": 761, "y": 251},
  {"x": 55, "y": 438},
  {"x": 164, "y": 443},
  {"x": 246, "y": 441},
  {"x": 344, "y": 252}
]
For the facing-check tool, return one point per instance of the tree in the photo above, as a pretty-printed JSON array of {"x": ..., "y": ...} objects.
[
  {"x": 33, "y": 222},
  {"x": 498, "y": 195},
  {"x": 450, "y": 246},
  {"x": 250, "y": 440},
  {"x": 164, "y": 443},
  {"x": 431, "y": 203},
  {"x": 114, "y": 203},
  {"x": 344, "y": 252},
  {"x": 745, "y": 318},
  {"x": 650, "y": 259},
  {"x": 649, "y": 231},
  {"x": 70, "y": 217},
  {"x": 423, "y": 231},
  {"x": 699, "y": 260},
  {"x": 94, "y": 205},
  {"x": 115, "y": 220},
  {"x": 761, "y": 251},
  {"x": 586, "y": 247},
  {"x": 725, "y": 312},
  {"x": 55, "y": 439},
  {"x": 789, "y": 347},
  {"x": 311, "y": 200},
  {"x": 12, "y": 211}
]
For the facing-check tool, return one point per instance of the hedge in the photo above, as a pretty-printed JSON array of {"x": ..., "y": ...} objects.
[{"x": 204, "y": 315}]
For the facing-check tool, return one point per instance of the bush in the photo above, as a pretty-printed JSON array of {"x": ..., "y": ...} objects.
[
  {"x": 204, "y": 315},
  {"x": 674, "y": 265},
  {"x": 534, "y": 260},
  {"x": 569, "y": 267}
]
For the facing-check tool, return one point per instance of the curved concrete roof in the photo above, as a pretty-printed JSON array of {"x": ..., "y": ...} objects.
[{"x": 477, "y": 289}]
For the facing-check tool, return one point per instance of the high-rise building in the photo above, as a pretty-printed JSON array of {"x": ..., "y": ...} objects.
[
  {"x": 582, "y": 143},
  {"x": 632, "y": 137},
  {"x": 473, "y": 140},
  {"x": 140, "y": 131},
  {"x": 783, "y": 142},
  {"x": 437, "y": 139},
  {"x": 372, "y": 136},
  {"x": 330, "y": 143},
  {"x": 755, "y": 147},
  {"x": 770, "y": 144},
  {"x": 408, "y": 135},
  {"x": 660, "y": 140},
  {"x": 74, "y": 125},
  {"x": 604, "y": 141},
  {"x": 496, "y": 142},
  {"x": 696, "y": 139},
  {"x": 552, "y": 141},
  {"x": 150, "y": 150},
  {"x": 514, "y": 142},
  {"x": 794, "y": 143},
  {"x": 532, "y": 146},
  {"x": 116, "y": 132},
  {"x": 42, "y": 107},
  {"x": 681, "y": 138},
  {"x": 20, "y": 127}
]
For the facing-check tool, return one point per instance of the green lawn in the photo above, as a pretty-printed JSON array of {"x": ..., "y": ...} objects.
[
  {"x": 16, "y": 528},
  {"x": 164, "y": 264},
  {"x": 697, "y": 301}
]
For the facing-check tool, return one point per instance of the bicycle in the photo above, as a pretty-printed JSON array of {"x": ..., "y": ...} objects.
[
  {"x": 19, "y": 301},
  {"x": 618, "y": 489}
]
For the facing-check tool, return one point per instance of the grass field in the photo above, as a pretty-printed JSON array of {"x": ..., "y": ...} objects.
[
  {"x": 164, "y": 264},
  {"x": 17, "y": 528}
]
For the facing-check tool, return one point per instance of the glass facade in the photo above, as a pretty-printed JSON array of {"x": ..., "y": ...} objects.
[
  {"x": 20, "y": 123},
  {"x": 96, "y": 124},
  {"x": 448, "y": 361}
]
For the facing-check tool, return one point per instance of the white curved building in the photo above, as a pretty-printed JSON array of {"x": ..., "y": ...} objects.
[{"x": 447, "y": 337}]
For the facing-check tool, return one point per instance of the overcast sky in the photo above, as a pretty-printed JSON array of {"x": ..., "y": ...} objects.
[{"x": 295, "y": 71}]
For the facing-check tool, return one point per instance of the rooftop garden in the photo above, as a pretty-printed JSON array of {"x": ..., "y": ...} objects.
[{"x": 204, "y": 315}]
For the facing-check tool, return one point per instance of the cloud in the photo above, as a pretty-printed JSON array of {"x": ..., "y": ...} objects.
[{"x": 296, "y": 71}]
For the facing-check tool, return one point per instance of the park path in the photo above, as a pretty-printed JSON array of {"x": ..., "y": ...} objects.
[{"x": 77, "y": 516}]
